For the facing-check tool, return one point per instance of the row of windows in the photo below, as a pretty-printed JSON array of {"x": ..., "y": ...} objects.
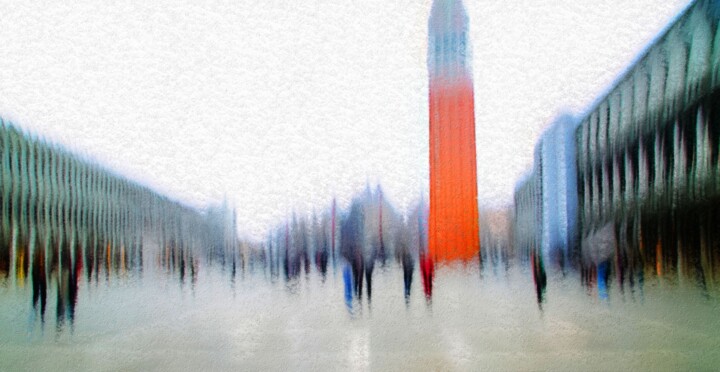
[
  {"x": 43, "y": 184},
  {"x": 686, "y": 152},
  {"x": 674, "y": 73}
]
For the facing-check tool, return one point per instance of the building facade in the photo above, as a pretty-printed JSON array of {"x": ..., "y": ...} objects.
[{"x": 546, "y": 200}]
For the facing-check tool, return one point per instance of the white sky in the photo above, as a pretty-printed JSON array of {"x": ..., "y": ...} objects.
[{"x": 282, "y": 106}]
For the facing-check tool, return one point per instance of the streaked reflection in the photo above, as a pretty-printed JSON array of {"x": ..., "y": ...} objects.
[
  {"x": 53, "y": 259},
  {"x": 621, "y": 207},
  {"x": 346, "y": 262},
  {"x": 351, "y": 245}
]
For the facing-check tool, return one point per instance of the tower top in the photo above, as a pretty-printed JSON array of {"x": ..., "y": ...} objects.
[
  {"x": 448, "y": 16},
  {"x": 448, "y": 50}
]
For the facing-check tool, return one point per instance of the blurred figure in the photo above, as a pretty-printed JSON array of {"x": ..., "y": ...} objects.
[
  {"x": 408, "y": 267},
  {"x": 348, "y": 286},
  {"x": 427, "y": 270},
  {"x": 539, "y": 277}
]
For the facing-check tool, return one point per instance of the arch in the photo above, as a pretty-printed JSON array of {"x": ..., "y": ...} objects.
[
  {"x": 675, "y": 48},
  {"x": 613, "y": 110},
  {"x": 698, "y": 66},
  {"x": 657, "y": 74},
  {"x": 627, "y": 101},
  {"x": 640, "y": 83},
  {"x": 715, "y": 57}
]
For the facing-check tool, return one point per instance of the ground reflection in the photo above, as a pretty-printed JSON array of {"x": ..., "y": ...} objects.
[{"x": 352, "y": 247}]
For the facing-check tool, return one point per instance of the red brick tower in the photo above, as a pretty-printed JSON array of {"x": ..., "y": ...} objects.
[{"x": 453, "y": 232}]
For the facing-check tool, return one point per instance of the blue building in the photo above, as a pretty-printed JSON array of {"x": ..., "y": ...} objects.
[{"x": 546, "y": 202}]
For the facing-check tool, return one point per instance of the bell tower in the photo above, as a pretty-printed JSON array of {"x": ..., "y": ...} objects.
[{"x": 453, "y": 232}]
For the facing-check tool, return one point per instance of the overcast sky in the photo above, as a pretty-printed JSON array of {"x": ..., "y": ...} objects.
[{"x": 281, "y": 105}]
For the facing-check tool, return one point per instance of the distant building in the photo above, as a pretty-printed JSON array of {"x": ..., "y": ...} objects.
[
  {"x": 546, "y": 201},
  {"x": 526, "y": 217}
]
